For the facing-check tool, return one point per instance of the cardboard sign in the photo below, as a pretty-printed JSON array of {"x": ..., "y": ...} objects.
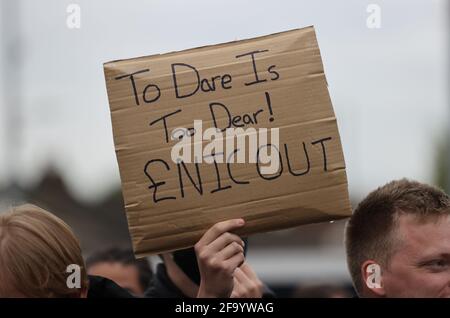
[{"x": 272, "y": 83}]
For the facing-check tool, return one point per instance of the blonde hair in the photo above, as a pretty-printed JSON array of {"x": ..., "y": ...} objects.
[{"x": 35, "y": 249}]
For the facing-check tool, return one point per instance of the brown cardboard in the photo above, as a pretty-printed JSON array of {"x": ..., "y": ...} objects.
[{"x": 301, "y": 109}]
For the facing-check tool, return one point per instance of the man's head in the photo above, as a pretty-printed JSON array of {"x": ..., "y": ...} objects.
[
  {"x": 402, "y": 229},
  {"x": 36, "y": 249},
  {"x": 120, "y": 266}
]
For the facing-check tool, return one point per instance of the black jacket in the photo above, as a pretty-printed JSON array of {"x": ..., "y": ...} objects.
[
  {"x": 100, "y": 287},
  {"x": 161, "y": 285}
]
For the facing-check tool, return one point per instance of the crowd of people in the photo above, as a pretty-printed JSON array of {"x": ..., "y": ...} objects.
[{"x": 397, "y": 245}]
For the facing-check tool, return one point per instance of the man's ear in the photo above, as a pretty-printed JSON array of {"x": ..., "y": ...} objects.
[{"x": 372, "y": 279}]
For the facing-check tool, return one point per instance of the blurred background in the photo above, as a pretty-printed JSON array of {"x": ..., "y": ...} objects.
[{"x": 387, "y": 66}]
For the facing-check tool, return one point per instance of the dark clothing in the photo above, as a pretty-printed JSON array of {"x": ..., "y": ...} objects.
[
  {"x": 100, "y": 287},
  {"x": 161, "y": 286}
]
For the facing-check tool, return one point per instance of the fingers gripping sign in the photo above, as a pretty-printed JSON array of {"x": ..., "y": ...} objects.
[
  {"x": 246, "y": 283},
  {"x": 219, "y": 253}
]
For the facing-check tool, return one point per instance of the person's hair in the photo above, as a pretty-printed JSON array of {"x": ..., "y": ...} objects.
[
  {"x": 125, "y": 257},
  {"x": 35, "y": 249},
  {"x": 371, "y": 231}
]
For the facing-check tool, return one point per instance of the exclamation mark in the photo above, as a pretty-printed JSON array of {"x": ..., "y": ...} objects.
[{"x": 269, "y": 105}]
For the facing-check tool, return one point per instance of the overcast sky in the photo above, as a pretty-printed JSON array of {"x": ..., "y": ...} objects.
[{"x": 388, "y": 85}]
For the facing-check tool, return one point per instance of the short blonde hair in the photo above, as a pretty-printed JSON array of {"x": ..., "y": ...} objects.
[{"x": 35, "y": 249}]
